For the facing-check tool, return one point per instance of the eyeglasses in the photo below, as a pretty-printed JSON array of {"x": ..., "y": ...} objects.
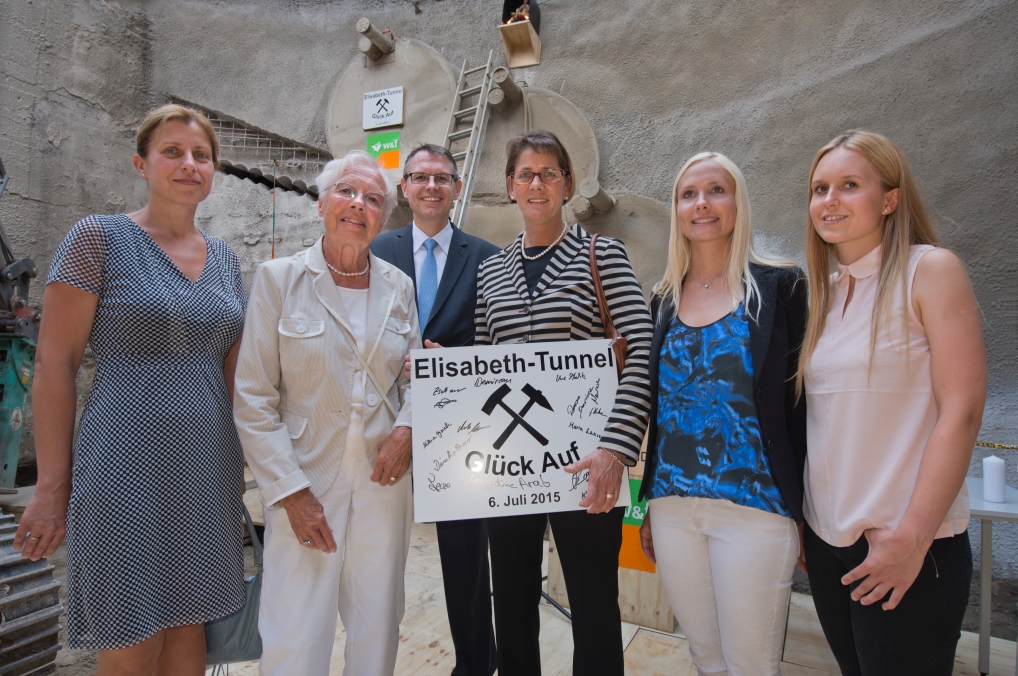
[
  {"x": 348, "y": 193},
  {"x": 547, "y": 176},
  {"x": 421, "y": 178}
]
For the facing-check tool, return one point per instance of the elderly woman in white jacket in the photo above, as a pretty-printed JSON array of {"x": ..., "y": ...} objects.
[{"x": 322, "y": 406}]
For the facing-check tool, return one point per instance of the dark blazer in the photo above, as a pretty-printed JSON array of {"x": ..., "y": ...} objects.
[
  {"x": 775, "y": 340},
  {"x": 452, "y": 316}
]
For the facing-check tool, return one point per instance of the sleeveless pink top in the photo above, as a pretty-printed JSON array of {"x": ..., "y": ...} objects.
[{"x": 868, "y": 426}]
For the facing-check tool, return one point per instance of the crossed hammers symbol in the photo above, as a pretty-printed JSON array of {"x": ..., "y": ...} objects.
[{"x": 497, "y": 399}]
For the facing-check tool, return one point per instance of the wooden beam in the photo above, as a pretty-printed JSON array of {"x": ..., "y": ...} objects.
[
  {"x": 383, "y": 42},
  {"x": 504, "y": 79},
  {"x": 599, "y": 199}
]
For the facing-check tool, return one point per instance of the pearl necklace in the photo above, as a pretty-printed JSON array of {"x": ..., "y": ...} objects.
[
  {"x": 565, "y": 228},
  {"x": 351, "y": 274}
]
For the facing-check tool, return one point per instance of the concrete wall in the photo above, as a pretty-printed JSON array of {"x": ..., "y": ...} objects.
[
  {"x": 766, "y": 83},
  {"x": 74, "y": 83}
]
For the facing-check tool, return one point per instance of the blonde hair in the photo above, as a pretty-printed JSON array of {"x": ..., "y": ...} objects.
[
  {"x": 904, "y": 227},
  {"x": 741, "y": 252},
  {"x": 169, "y": 113}
]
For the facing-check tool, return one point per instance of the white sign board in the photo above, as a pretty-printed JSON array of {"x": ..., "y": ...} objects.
[
  {"x": 383, "y": 108},
  {"x": 493, "y": 427}
]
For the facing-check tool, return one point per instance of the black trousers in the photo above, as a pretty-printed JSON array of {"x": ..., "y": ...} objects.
[
  {"x": 588, "y": 546},
  {"x": 919, "y": 636},
  {"x": 463, "y": 547}
]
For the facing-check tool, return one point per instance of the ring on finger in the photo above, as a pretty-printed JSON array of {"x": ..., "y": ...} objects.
[
  {"x": 392, "y": 479},
  {"x": 306, "y": 542},
  {"x": 609, "y": 496}
]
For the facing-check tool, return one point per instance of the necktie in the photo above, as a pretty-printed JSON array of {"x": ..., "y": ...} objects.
[{"x": 429, "y": 284}]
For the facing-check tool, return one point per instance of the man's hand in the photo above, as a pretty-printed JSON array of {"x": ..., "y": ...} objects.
[
  {"x": 394, "y": 454},
  {"x": 307, "y": 519},
  {"x": 406, "y": 360}
]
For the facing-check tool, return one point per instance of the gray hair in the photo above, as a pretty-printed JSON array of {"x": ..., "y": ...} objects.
[{"x": 334, "y": 169}]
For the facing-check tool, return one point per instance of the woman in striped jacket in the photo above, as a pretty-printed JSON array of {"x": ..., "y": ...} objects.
[{"x": 540, "y": 289}]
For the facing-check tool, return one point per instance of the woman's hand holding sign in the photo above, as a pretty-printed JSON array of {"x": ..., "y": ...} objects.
[{"x": 604, "y": 479}]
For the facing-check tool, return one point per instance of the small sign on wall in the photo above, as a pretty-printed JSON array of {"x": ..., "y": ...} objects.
[
  {"x": 384, "y": 147},
  {"x": 383, "y": 108}
]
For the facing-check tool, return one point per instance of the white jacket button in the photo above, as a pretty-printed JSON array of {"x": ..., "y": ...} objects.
[
  {"x": 300, "y": 328},
  {"x": 371, "y": 400}
]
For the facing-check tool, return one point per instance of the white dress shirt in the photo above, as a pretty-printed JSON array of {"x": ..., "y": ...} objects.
[{"x": 444, "y": 240}]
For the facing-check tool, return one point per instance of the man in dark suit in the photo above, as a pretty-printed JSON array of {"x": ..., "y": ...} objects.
[{"x": 443, "y": 261}]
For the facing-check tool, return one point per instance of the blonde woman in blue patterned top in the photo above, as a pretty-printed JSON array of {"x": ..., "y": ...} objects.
[
  {"x": 726, "y": 441},
  {"x": 151, "y": 497}
]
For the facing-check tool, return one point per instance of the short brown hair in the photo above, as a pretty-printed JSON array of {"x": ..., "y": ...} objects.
[
  {"x": 169, "y": 113},
  {"x": 541, "y": 142},
  {"x": 437, "y": 151}
]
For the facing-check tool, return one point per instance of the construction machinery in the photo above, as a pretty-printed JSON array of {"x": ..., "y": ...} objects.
[
  {"x": 30, "y": 605},
  {"x": 19, "y": 332}
]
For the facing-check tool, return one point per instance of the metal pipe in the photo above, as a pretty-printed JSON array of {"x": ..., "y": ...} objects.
[{"x": 985, "y": 592}]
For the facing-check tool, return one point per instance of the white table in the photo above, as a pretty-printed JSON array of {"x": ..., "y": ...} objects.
[{"x": 987, "y": 513}]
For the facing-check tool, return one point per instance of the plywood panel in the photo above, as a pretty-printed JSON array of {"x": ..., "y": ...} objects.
[
  {"x": 521, "y": 45},
  {"x": 642, "y": 600},
  {"x": 654, "y": 654},
  {"x": 556, "y": 582},
  {"x": 805, "y": 643},
  {"x": 966, "y": 659},
  {"x": 253, "y": 502}
]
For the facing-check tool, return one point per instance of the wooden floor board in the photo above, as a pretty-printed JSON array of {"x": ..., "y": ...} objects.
[{"x": 426, "y": 646}]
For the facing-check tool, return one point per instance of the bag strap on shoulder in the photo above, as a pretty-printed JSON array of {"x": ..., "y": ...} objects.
[{"x": 602, "y": 302}]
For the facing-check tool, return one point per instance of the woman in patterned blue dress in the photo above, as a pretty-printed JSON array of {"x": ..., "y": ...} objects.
[
  {"x": 151, "y": 495},
  {"x": 726, "y": 442}
]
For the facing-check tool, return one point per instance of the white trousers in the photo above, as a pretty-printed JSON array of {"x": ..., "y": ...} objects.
[
  {"x": 727, "y": 572},
  {"x": 302, "y": 588}
]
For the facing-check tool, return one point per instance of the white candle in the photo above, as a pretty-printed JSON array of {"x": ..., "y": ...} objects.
[{"x": 993, "y": 479}]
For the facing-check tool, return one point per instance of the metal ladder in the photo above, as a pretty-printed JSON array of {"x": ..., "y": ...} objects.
[{"x": 476, "y": 116}]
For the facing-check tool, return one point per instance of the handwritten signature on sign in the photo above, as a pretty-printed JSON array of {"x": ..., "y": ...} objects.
[
  {"x": 436, "y": 486},
  {"x": 591, "y": 397},
  {"x": 580, "y": 479},
  {"x": 437, "y": 435}
]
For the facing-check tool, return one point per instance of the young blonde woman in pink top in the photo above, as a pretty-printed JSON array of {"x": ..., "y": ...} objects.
[{"x": 894, "y": 371}]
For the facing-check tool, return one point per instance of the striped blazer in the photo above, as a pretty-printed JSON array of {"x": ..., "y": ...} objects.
[{"x": 564, "y": 307}]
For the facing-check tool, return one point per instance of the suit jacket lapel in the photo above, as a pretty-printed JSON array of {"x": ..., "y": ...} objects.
[
  {"x": 403, "y": 253},
  {"x": 513, "y": 264},
  {"x": 455, "y": 262},
  {"x": 571, "y": 245},
  {"x": 760, "y": 330}
]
